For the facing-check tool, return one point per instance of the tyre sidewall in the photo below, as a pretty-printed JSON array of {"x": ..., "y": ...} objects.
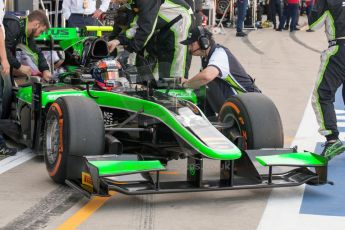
[
  {"x": 57, "y": 170},
  {"x": 233, "y": 106}
]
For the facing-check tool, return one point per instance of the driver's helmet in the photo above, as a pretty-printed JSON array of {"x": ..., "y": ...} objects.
[{"x": 106, "y": 74}]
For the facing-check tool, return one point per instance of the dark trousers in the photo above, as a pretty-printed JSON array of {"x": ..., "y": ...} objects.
[
  {"x": 289, "y": 11},
  {"x": 275, "y": 8},
  {"x": 241, "y": 14},
  {"x": 324, "y": 94},
  {"x": 285, "y": 18},
  {"x": 293, "y": 12},
  {"x": 80, "y": 21},
  {"x": 309, "y": 8}
]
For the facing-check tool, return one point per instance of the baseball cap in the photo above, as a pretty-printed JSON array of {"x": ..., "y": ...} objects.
[{"x": 193, "y": 36}]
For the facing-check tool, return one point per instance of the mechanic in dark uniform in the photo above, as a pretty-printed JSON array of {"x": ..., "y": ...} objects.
[
  {"x": 222, "y": 73},
  {"x": 159, "y": 26},
  {"x": 24, "y": 31},
  {"x": 196, "y": 6},
  {"x": 330, "y": 13}
]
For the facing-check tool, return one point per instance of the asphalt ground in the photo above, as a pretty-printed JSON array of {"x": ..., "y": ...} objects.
[{"x": 284, "y": 65}]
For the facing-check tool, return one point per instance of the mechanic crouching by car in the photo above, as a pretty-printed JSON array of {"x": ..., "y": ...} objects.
[
  {"x": 331, "y": 14},
  {"x": 24, "y": 31},
  {"x": 158, "y": 27},
  {"x": 5, "y": 69},
  {"x": 222, "y": 74}
]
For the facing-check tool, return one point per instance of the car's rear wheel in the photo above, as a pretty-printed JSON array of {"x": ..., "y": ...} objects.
[
  {"x": 74, "y": 126},
  {"x": 253, "y": 118}
]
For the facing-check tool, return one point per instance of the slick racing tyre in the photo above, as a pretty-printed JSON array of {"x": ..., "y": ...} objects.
[
  {"x": 74, "y": 126},
  {"x": 253, "y": 118}
]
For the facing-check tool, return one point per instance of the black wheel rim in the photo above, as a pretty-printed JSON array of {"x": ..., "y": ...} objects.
[{"x": 234, "y": 132}]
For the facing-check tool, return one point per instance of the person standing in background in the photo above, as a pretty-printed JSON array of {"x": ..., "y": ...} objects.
[
  {"x": 310, "y": 4},
  {"x": 241, "y": 14},
  {"x": 275, "y": 8},
  {"x": 81, "y": 13},
  {"x": 293, "y": 9}
]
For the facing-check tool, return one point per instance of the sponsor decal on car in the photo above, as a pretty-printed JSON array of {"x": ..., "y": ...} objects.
[{"x": 86, "y": 181}]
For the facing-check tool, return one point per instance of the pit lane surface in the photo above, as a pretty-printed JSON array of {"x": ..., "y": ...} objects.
[{"x": 284, "y": 69}]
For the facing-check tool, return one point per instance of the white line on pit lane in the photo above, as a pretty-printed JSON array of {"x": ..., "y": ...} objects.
[{"x": 13, "y": 161}]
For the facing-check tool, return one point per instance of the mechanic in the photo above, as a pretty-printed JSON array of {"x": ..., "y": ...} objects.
[
  {"x": 24, "y": 31},
  {"x": 81, "y": 13},
  {"x": 4, "y": 150},
  {"x": 158, "y": 27},
  {"x": 196, "y": 6},
  {"x": 330, "y": 13},
  {"x": 222, "y": 73}
]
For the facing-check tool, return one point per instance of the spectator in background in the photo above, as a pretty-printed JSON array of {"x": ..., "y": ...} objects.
[
  {"x": 241, "y": 14},
  {"x": 275, "y": 8},
  {"x": 81, "y": 13},
  {"x": 310, "y": 4},
  {"x": 291, "y": 8}
]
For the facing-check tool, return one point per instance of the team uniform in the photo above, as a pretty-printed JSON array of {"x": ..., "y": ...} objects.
[
  {"x": 230, "y": 71},
  {"x": 16, "y": 33},
  {"x": 159, "y": 26},
  {"x": 331, "y": 14}
]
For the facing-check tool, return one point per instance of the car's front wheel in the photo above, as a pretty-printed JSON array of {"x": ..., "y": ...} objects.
[
  {"x": 253, "y": 118},
  {"x": 74, "y": 126}
]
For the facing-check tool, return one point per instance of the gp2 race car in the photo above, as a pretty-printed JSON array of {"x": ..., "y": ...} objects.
[{"x": 94, "y": 136}]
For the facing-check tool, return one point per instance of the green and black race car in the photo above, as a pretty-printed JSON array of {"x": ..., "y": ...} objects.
[{"x": 93, "y": 136}]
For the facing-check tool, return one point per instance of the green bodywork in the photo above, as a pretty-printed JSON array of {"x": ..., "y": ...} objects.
[
  {"x": 126, "y": 167},
  {"x": 185, "y": 94},
  {"x": 65, "y": 38},
  {"x": 145, "y": 107},
  {"x": 59, "y": 34},
  {"x": 293, "y": 159}
]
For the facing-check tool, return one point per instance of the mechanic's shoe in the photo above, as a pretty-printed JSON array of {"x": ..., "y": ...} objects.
[
  {"x": 241, "y": 34},
  {"x": 332, "y": 148},
  {"x": 6, "y": 151},
  {"x": 310, "y": 30}
]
